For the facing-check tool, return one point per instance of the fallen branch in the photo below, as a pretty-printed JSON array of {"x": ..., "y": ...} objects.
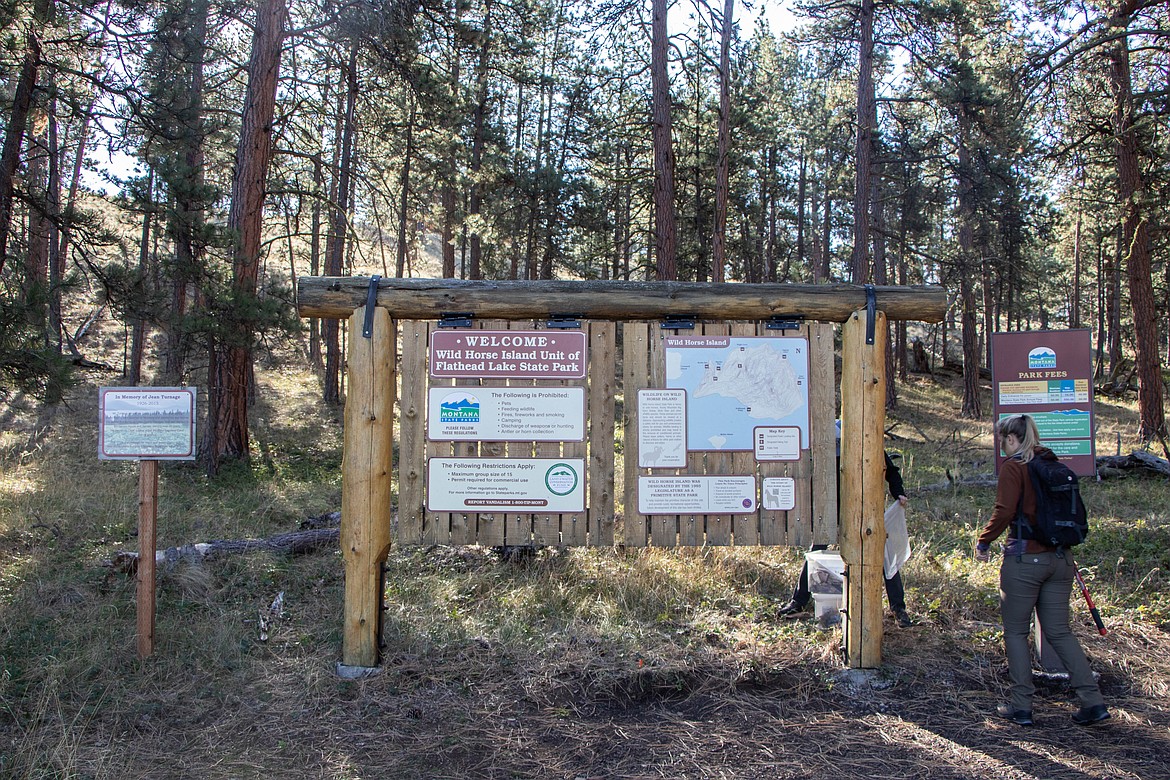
[
  {"x": 312, "y": 539},
  {"x": 979, "y": 480}
]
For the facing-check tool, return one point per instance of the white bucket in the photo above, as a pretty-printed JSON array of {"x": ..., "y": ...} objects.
[
  {"x": 828, "y": 608},
  {"x": 826, "y": 572}
]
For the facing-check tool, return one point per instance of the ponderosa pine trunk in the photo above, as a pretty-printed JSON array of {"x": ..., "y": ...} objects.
[
  {"x": 403, "y": 210},
  {"x": 230, "y": 382},
  {"x": 187, "y": 220},
  {"x": 860, "y": 267},
  {"x": 479, "y": 127},
  {"x": 665, "y": 237},
  {"x": 1136, "y": 216},
  {"x": 967, "y": 269},
  {"x": 339, "y": 222},
  {"x": 722, "y": 154},
  {"x": 14, "y": 133}
]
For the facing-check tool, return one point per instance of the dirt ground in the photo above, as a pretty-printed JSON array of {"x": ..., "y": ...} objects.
[{"x": 474, "y": 709}]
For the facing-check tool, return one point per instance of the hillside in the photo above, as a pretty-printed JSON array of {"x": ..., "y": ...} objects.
[{"x": 607, "y": 663}]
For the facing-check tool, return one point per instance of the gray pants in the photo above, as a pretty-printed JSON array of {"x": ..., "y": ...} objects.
[{"x": 1041, "y": 581}]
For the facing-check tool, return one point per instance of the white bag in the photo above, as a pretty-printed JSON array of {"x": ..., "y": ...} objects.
[{"x": 897, "y": 539}]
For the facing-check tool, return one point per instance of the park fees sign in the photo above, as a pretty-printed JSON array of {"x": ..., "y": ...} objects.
[
  {"x": 1048, "y": 374},
  {"x": 511, "y": 354}
]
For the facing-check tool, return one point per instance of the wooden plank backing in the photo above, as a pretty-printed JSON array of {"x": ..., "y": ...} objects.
[
  {"x": 412, "y": 450},
  {"x": 635, "y": 376},
  {"x": 602, "y": 410},
  {"x": 822, "y": 413},
  {"x": 643, "y": 361}
]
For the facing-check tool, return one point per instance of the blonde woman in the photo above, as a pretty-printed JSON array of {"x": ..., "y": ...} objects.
[{"x": 1033, "y": 576}]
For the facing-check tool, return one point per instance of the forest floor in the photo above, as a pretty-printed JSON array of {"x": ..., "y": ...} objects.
[{"x": 585, "y": 663}]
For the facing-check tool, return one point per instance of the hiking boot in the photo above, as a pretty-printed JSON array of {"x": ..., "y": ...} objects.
[
  {"x": 790, "y": 610},
  {"x": 1020, "y": 717},
  {"x": 902, "y": 618},
  {"x": 1087, "y": 716}
]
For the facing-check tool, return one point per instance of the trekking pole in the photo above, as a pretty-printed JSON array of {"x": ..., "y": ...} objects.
[{"x": 1089, "y": 600}]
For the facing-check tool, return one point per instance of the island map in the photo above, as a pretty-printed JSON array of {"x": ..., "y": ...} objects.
[{"x": 736, "y": 383}]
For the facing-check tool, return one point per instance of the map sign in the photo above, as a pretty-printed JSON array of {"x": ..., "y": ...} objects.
[
  {"x": 777, "y": 443},
  {"x": 735, "y": 384}
]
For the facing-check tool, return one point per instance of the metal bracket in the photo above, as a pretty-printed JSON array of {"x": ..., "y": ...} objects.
[
  {"x": 784, "y": 323},
  {"x": 564, "y": 321},
  {"x": 371, "y": 302},
  {"x": 680, "y": 322},
  {"x": 454, "y": 319},
  {"x": 870, "y": 311}
]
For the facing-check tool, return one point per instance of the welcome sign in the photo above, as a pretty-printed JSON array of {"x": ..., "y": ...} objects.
[{"x": 508, "y": 354}]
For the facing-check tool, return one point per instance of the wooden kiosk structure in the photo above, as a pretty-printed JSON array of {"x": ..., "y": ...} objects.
[{"x": 392, "y": 324}]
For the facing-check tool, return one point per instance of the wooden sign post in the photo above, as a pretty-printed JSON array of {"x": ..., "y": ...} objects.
[
  {"x": 146, "y": 424},
  {"x": 862, "y": 531},
  {"x": 366, "y": 471},
  {"x": 147, "y": 534}
]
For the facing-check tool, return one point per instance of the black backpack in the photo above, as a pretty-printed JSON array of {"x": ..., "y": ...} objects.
[{"x": 1061, "y": 519}]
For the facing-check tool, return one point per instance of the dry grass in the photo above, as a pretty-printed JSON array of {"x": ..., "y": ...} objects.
[{"x": 567, "y": 664}]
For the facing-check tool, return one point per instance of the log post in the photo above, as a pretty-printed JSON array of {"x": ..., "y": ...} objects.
[
  {"x": 863, "y": 532},
  {"x": 147, "y": 534},
  {"x": 365, "y": 482}
]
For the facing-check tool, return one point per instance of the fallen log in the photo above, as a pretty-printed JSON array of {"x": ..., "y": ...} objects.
[
  {"x": 313, "y": 538},
  {"x": 1134, "y": 460},
  {"x": 1107, "y": 466}
]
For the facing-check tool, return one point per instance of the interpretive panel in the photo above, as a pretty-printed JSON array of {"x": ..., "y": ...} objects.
[
  {"x": 662, "y": 428},
  {"x": 146, "y": 423},
  {"x": 779, "y": 493},
  {"x": 722, "y": 495}
]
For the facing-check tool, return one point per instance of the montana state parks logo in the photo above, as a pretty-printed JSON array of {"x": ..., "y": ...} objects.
[
  {"x": 1042, "y": 357},
  {"x": 459, "y": 408}
]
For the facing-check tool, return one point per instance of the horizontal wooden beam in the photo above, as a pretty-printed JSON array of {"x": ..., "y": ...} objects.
[{"x": 337, "y": 297}]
